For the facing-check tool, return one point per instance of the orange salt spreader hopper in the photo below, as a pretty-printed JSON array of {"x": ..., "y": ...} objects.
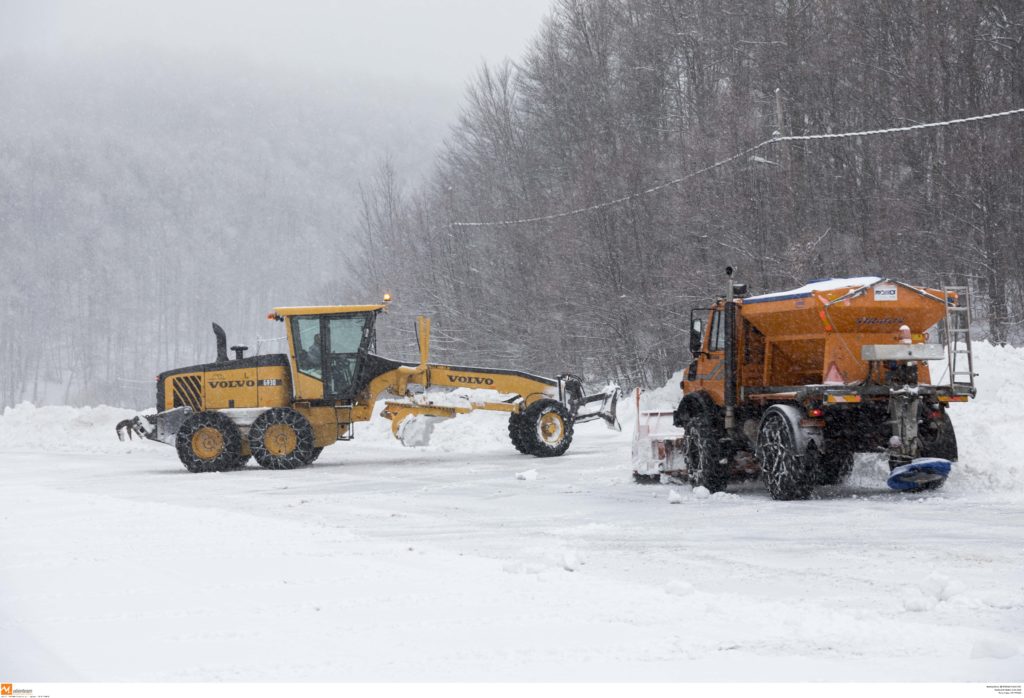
[{"x": 816, "y": 334}]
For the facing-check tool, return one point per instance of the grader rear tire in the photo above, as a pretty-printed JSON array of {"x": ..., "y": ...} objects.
[
  {"x": 282, "y": 439},
  {"x": 208, "y": 442},
  {"x": 546, "y": 428}
]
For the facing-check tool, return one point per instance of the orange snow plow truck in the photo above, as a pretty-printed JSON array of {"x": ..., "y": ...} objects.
[{"x": 790, "y": 385}]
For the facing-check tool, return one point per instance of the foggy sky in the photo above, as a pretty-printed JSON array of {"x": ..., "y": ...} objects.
[{"x": 440, "y": 42}]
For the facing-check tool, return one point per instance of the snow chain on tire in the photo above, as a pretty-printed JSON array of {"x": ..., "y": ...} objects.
[
  {"x": 209, "y": 442},
  {"x": 787, "y": 473},
  {"x": 704, "y": 467},
  {"x": 281, "y": 439}
]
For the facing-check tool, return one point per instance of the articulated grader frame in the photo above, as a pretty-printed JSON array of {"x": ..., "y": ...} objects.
[
  {"x": 284, "y": 409},
  {"x": 791, "y": 385}
]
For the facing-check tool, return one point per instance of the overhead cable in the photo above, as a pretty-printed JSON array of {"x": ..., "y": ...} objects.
[{"x": 763, "y": 144}]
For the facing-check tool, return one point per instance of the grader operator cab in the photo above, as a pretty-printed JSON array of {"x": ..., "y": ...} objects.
[
  {"x": 791, "y": 385},
  {"x": 283, "y": 409}
]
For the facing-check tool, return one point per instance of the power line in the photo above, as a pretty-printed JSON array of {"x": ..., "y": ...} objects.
[{"x": 726, "y": 161}]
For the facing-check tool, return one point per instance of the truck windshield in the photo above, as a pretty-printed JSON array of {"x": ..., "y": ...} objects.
[{"x": 716, "y": 342}]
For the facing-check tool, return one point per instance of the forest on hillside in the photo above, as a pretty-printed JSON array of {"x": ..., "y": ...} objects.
[
  {"x": 141, "y": 199},
  {"x": 618, "y": 96}
]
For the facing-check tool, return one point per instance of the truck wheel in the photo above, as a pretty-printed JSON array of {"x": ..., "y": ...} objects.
[
  {"x": 938, "y": 439},
  {"x": 316, "y": 453},
  {"x": 281, "y": 439},
  {"x": 704, "y": 466},
  {"x": 787, "y": 473},
  {"x": 208, "y": 441},
  {"x": 834, "y": 466},
  {"x": 546, "y": 428},
  {"x": 515, "y": 433}
]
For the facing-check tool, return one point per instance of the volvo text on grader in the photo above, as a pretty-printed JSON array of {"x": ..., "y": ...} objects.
[
  {"x": 790, "y": 385},
  {"x": 284, "y": 409}
]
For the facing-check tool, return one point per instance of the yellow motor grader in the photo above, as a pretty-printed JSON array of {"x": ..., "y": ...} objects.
[{"x": 284, "y": 409}]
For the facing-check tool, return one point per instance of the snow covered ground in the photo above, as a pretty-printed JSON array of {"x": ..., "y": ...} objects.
[{"x": 455, "y": 561}]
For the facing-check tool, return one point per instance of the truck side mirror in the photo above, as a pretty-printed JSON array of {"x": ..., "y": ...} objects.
[{"x": 696, "y": 330}]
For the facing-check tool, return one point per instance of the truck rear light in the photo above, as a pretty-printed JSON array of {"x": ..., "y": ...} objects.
[{"x": 815, "y": 412}]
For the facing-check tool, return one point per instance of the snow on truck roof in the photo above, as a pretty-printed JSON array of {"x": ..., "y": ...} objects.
[{"x": 818, "y": 285}]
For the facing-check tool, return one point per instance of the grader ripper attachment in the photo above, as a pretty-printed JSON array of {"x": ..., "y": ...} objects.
[
  {"x": 284, "y": 409},
  {"x": 791, "y": 385}
]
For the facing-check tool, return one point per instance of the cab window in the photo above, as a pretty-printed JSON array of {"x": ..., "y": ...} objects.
[
  {"x": 308, "y": 350},
  {"x": 716, "y": 341},
  {"x": 346, "y": 334}
]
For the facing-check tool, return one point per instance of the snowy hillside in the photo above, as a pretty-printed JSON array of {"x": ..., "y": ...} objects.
[{"x": 382, "y": 562}]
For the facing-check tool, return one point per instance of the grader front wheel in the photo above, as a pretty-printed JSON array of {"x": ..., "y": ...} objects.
[
  {"x": 546, "y": 428},
  {"x": 515, "y": 433},
  {"x": 282, "y": 439}
]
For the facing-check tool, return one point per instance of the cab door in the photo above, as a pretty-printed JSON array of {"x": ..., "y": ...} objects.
[
  {"x": 346, "y": 341},
  {"x": 710, "y": 374}
]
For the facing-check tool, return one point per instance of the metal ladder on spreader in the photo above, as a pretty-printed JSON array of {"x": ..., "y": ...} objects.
[{"x": 958, "y": 338}]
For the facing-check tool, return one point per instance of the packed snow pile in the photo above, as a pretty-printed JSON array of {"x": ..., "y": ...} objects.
[
  {"x": 25, "y": 427},
  {"x": 666, "y": 397},
  {"x": 988, "y": 429}
]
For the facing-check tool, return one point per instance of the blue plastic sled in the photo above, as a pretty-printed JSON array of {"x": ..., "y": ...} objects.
[{"x": 920, "y": 474}]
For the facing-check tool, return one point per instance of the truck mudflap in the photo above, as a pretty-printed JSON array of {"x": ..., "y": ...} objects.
[{"x": 162, "y": 427}]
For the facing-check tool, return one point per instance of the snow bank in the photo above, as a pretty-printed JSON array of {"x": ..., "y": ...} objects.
[
  {"x": 26, "y": 427},
  {"x": 988, "y": 429}
]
